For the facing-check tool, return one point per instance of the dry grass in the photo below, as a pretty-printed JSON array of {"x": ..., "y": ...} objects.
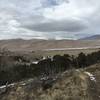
[{"x": 71, "y": 85}]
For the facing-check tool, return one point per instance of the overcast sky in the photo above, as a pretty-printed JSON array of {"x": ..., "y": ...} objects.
[{"x": 49, "y": 19}]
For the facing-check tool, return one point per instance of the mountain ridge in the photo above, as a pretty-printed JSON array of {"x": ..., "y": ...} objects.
[
  {"x": 34, "y": 44},
  {"x": 93, "y": 37}
]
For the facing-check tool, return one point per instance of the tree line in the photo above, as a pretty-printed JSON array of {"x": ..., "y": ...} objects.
[
  {"x": 61, "y": 63},
  {"x": 11, "y": 72}
]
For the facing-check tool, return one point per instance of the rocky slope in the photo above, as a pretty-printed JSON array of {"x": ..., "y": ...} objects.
[{"x": 80, "y": 84}]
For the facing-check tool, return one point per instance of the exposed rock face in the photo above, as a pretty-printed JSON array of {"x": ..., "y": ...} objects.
[{"x": 82, "y": 84}]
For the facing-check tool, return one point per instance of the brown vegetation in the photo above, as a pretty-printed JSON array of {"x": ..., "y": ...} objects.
[{"x": 70, "y": 85}]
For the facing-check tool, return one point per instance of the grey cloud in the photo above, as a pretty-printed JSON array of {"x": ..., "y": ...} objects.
[
  {"x": 23, "y": 18},
  {"x": 54, "y": 26},
  {"x": 51, "y": 3},
  {"x": 29, "y": 20}
]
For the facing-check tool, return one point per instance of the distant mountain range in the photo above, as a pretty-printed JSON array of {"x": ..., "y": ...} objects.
[
  {"x": 94, "y": 37},
  {"x": 34, "y": 45}
]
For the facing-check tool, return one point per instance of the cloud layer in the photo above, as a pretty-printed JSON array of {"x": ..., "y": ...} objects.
[{"x": 49, "y": 19}]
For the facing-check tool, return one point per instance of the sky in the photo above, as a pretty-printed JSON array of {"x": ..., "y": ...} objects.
[{"x": 49, "y": 19}]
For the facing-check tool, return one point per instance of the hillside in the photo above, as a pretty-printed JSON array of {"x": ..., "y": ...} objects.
[
  {"x": 33, "y": 45},
  {"x": 81, "y": 84}
]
